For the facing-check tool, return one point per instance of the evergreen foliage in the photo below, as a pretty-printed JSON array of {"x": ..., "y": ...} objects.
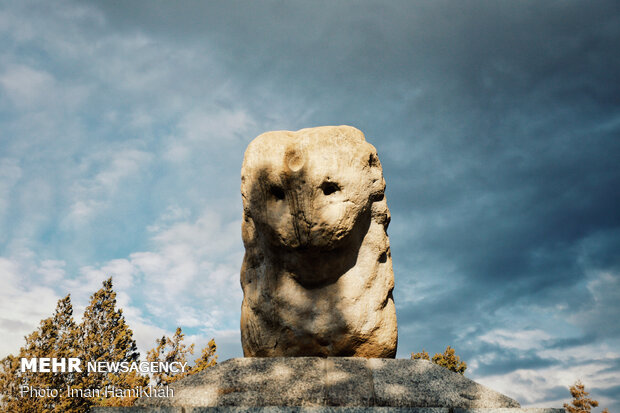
[
  {"x": 170, "y": 350},
  {"x": 55, "y": 339},
  {"x": 103, "y": 335},
  {"x": 447, "y": 359},
  {"x": 581, "y": 402},
  {"x": 450, "y": 361},
  {"x": 422, "y": 356},
  {"x": 174, "y": 350},
  {"x": 208, "y": 358}
]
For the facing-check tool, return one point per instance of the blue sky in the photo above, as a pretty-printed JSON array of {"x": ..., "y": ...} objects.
[{"x": 123, "y": 127}]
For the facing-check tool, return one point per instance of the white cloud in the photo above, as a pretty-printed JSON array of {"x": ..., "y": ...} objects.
[
  {"x": 113, "y": 168},
  {"x": 172, "y": 214},
  {"x": 190, "y": 278},
  {"x": 220, "y": 124},
  {"x": 121, "y": 271},
  {"x": 207, "y": 124},
  {"x": 52, "y": 271},
  {"x": 192, "y": 262},
  {"x": 30, "y": 289},
  {"x": 516, "y": 339},
  {"x": 531, "y": 387},
  {"x": 31, "y": 89},
  {"x": 10, "y": 173},
  {"x": 24, "y": 300},
  {"x": 579, "y": 353},
  {"x": 27, "y": 87}
]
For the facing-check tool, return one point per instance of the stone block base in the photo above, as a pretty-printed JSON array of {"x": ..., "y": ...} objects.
[
  {"x": 326, "y": 385},
  {"x": 323, "y": 409}
]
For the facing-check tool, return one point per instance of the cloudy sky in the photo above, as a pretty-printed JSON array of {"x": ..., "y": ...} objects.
[{"x": 123, "y": 127}]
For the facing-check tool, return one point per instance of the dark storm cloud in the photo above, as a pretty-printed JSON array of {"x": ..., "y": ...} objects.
[
  {"x": 569, "y": 342},
  {"x": 468, "y": 49},
  {"x": 497, "y": 123},
  {"x": 513, "y": 362},
  {"x": 612, "y": 392},
  {"x": 613, "y": 366}
]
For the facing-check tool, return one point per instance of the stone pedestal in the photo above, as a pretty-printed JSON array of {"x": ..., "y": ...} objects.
[
  {"x": 313, "y": 384},
  {"x": 323, "y": 409}
]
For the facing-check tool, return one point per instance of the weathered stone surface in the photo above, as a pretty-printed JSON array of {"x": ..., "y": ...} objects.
[
  {"x": 347, "y": 382},
  {"x": 509, "y": 410},
  {"x": 434, "y": 386},
  {"x": 344, "y": 382},
  {"x": 317, "y": 273},
  {"x": 321, "y": 409},
  {"x": 283, "y": 409},
  {"x": 135, "y": 409}
]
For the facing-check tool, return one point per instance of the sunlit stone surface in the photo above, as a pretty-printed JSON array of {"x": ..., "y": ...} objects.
[
  {"x": 334, "y": 381},
  {"x": 317, "y": 274}
]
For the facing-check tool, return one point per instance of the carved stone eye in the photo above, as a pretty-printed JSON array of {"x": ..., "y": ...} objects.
[
  {"x": 277, "y": 192},
  {"x": 329, "y": 188}
]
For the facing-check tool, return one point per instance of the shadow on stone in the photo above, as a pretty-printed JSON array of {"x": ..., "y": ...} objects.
[{"x": 344, "y": 382}]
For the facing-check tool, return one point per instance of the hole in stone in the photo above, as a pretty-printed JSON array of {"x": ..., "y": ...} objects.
[
  {"x": 277, "y": 192},
  {"x": 383, "y": 257},
  {"x": 377, "y": 197},
  {"x": 329, "y": 188},
  {"x": 372, "y": 160}
]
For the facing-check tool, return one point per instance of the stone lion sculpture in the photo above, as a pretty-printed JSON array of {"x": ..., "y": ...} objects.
[{"x": 317, "y": 274}]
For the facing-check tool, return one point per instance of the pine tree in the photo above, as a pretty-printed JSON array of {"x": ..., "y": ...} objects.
[
  {"x": 420, "y": 356},
  {"x": 207, "y": 359},
  {"x": 54, "y": 338},
  {"x": 170, "y": 350},
  {"x": 174, "y": 350},
  {"x": 450, "y": 361},
  {"x": 446, "y": 359},
  {"x": 581, "y": 403},
  {"x": 10, "y": 381},
  {"x": 64, "y": 347},
  {"x": 104, "y": 335}
]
